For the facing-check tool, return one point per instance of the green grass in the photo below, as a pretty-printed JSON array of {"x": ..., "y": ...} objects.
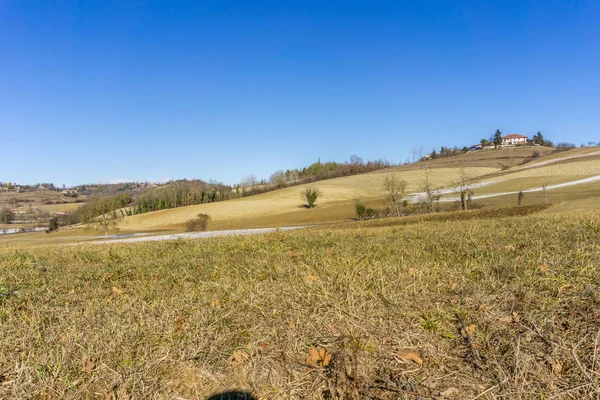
[{"x": 186, "y": 319}]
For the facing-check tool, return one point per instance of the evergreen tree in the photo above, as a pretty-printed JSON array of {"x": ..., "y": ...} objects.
[{"x": 497, "y": 138}]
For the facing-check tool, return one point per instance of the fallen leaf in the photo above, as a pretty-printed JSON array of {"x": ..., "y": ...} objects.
[
  {"x": 452, "y": 285},
  {"x": 510, "y": 247},
  {"x": 544, "y": 267},
  {"x": 507, "y": 319},
  {"x": 292, "y": 325},
  {"x": 318, "y": 358},
  {"x": 516, "y": 317},
  {"x": 410, "y": 355},
  {"x": 311, "y": 277},
  {"x": 214, "y": 303},
  {"x": 262, "y": 346},
  {"x": 238, "y": 357},
  {"x": 178, "y": 324},
  {"x": 89, "y": 365},
  {"x": 116, "y": 291},
  {"x": 557, "y": 368},
  {"x": 62, "y": 338},
  {"x": 450, "y": 392},
  {"x": 468, "y": 330},
  {"x": 412, "y": 271}
]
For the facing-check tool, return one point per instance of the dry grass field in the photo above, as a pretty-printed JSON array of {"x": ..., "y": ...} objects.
[
  {"x": 286, "y": 205},
  {"x": 36, "y": 198},
  {"x": 485, "y": 304}
]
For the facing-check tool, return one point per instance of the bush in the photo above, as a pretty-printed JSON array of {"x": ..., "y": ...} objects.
[
  {"x": 198, "y": 224},
  {"x": 52, "y": 224},
  {"x": 6, "y": 216},
  {"x": 360, "y": 211},
  {"x": 311, "y": 195}
]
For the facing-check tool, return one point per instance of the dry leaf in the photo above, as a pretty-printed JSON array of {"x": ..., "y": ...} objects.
[
  {"x": 516, "y": 317},
  {"x": 412, "y": 271},
  {"x": 178, "y": 324},
  {"x": 468, "y": 330},
  {"x": 292, "y": 325},
  {"x": 311, "y": 277},
  {"x": 452, "y": 285},
  {"x": 89, "y": 365},
  {"x": 544, "y": 267},
  {"x": 214, "y": 303},
  {"x": 557, "y": 368},
  {"x": 116, "y": 291},
  {"x": 510, "y": 247},
  {"x": 62, "y": 338},
  {"x": 410, "y": 355},
  {"x": 263, "y": 345},
  {"x": 507, "y": 319},
  {"x": 318, "y": 358},
  {"x": 238, "y": 357}
]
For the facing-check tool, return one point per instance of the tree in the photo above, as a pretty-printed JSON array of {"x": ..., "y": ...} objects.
[
  {"x": 52, "y": 224},
  {"x": 464, "y": 186},
  {"x": 311, "y": 194},
  {"x": 497, "y": 138},
  {"x": 432, "y": 195},
  {"x": 248, "y": 185},
  {"x": 105, "y": 208},
  {"x": 395, "y": 192},
  {"x": 360, "y": 210},
  {"x": 6, "y": 216},
  {"x": 538, "y": 139},
  {"x": 277, "y": 179},
  {"x": 198, "y": 224},
  {"x": 484, "y": 142}
]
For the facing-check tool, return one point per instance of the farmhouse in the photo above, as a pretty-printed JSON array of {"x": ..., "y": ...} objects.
[{"x": 514, "y": 138}]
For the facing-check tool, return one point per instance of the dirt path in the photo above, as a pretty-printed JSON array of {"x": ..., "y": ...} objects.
[
  {"x": 538, "y": 189},
  {"x": 196, "y": 235},
  {"x": 542, "y": 163}
]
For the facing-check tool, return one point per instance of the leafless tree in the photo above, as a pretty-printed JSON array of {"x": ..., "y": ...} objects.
[
  {"x": 432, "y": 194},
  {"x": 395, "y": 189},
  {"x": 463, "y": 185},
  {"x": 248, "y": 184},
  {"x": 417, "y": 153}
]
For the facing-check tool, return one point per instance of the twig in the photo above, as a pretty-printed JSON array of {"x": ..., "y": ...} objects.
[
  {"x": 595, "y": 350},
  {"x": 489, "y": 389},
  {"x": 475, "y": 359}
]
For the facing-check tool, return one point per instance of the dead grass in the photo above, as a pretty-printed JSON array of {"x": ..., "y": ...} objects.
[
  {"x": 285, "y": 206},
  {"x": 494, "y": 308}
]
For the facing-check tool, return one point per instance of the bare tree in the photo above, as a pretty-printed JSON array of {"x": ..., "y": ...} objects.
[
  {"x": 106, "y": 208},
  {"x": 395, "y": 189},
  {"x": 248, "y": 184},
  {"x": 417, "y": 153},
  {"x": 432, "y": 194},
  {"x": 277, "y": 179},
  {"x": 463, "y": 185}
]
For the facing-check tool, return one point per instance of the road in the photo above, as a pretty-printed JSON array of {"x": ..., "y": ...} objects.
[{"x": 197, "y": 235}]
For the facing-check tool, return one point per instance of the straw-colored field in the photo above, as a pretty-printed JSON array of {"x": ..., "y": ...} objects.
[{"x": 335, "y": 204}]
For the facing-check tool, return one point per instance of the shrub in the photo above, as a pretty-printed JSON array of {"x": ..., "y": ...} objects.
[
  {"x": 6, "y": 216},
  {"x": 52, "y": 224},
  {"x": 311, "y": 195},
  {"x": 198, "y": 224},
  {"x": 360, "y": 211}
]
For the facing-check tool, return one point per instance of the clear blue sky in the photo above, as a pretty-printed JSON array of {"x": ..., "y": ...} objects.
[{"x": 103, "y": 90}]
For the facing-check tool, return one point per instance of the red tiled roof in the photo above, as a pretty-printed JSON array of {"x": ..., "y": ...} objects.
[{"x": 514, "y": 136}]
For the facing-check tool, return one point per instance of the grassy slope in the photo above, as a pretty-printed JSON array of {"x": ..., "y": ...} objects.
[
  {"x": 285, "y": 205},
  {"x": 184, "y": 319}
]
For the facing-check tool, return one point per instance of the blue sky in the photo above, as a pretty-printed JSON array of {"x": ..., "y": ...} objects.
[{"x": 107, "y": 90}]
